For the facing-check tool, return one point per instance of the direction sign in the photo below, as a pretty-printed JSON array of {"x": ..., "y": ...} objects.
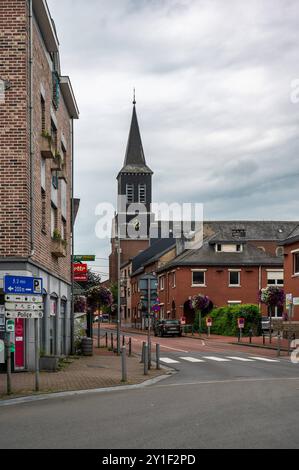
[
  {"x": 23, "y": 285},
  {"x": 78, "y": 258},
  {"x": 38, "y": 299},
  {"x": 20, "y": 307},
  {"x": 24, "y": 315}
]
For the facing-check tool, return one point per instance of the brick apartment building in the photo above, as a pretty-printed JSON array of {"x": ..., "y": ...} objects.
[
  {"x": 236, "y": 260},
  {"x": 291, "y": 267},
  {"x": 36, "y": 184}
]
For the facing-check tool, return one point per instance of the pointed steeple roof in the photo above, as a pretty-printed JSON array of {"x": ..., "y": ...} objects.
[{"x": 135, "y": 159}]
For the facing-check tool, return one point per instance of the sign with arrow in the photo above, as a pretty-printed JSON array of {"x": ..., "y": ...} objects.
[{"x": 23, "y": 285}]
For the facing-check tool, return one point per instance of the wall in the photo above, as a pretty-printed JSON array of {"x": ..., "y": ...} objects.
[{"x": 291, "y": 281}]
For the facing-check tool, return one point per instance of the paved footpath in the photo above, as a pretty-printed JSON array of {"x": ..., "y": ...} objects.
[{"x": 99, "y": 371}]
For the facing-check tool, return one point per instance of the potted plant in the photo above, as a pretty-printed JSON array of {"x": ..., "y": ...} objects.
[{"x": 272, "y": 296}]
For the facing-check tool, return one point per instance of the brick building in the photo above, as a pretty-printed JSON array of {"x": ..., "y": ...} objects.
[
  {"x": 36, "y": 184},
  {"x": 291, "y": 267}
]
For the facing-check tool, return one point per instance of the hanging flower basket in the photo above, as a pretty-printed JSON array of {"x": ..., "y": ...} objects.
[
  {"x": 100, "y": 296},
  {"x": 273, "y": 296},
  {"x": 200, "y": 302}
]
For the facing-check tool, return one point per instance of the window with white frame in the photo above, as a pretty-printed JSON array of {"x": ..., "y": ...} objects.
[
  {"x": 198, "y": 278},
  {"x": 130, "y": 193},
  {"x": 229, "y": 248},
  {"x": 142, "y": 193},
  {"x": 296, "y": 262},
  {"x": 162, "y": 282},
  {"x": 275, "y": 278},
  {"x": 234, "y": 278}
]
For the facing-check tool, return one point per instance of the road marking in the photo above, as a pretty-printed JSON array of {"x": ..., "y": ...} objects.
[
  {"x": 173, "y": 349},
  {"x": 240, "y": 359},
  {"x": 191, "y": 359},
  {"x": 264, "y": 359},
  {"x": 167, "y": 360},
  {"x": 229, "y": 381},
  {"x": 217, "y": 359}
]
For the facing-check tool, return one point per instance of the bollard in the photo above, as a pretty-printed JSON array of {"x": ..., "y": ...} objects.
[
  {"x": 142, "y": 353},
  {"x": 158, "y": 357},
  {"x": 250, "y": 335},
  {"x": 106, "y": 339},
  {"x": 130, "y": 347},
  {"x": 149, "y": 355},
  {"x": 112, "y": 345},
  {"x": 8, "y": 356},
  {"x": 263, "y": 339},
  {"x": 145, "y": 359},
  {"x": 124, "y": 340},
  {"x": 123, "y": 364},
  {"x": 278, "y": 344}
]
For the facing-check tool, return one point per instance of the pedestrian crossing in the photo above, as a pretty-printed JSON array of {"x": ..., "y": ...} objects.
[{"x": 206, "y": 359}]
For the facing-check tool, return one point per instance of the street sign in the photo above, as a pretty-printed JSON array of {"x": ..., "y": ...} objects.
[
  {"x": 2, "y": 318},
  {"x": 24, "y": 315},
  {"x": 10, "y": 326},
  {"x": 296, "y": 301},
  {"x": 241, "y": 323},
  {"x": 38, "y": 299},
  {"x": 23, "y": 285},
  {"x": 209, "y": 322},
  {"x": 17, "y": 307},
  {"x": 289, "y": 300},
  {"x": 78, "y": 258},
  {"x": 2, "y": 352}
]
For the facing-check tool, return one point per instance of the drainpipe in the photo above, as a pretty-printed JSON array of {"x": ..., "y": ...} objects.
[
  {"x": 31, "y": 129},
  {"x": 260, "y": 283},
  {"x": 73, "y": 244}
]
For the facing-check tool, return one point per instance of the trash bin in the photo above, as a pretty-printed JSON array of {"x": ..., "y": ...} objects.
[{"x": 87, "y": 347}]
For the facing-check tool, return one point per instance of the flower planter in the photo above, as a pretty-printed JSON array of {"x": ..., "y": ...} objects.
[
  {"x": 58, "y": 249},
  {"x": 47, "y": 148}
]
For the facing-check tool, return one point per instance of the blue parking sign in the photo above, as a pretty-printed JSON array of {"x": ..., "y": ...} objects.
[{"x": 23, "y": 285}]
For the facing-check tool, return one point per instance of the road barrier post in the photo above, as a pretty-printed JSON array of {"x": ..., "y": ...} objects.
[
  {"x": 158, "y": 357},
  {"x": 130, "y": 347},
  {"x": 145, "y": 359},
  {"x": 142, "y": 353},
  {"x": 124, "y": 364}
]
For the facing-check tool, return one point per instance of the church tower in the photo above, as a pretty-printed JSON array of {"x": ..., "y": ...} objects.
[{"x": 133, "y": 218}]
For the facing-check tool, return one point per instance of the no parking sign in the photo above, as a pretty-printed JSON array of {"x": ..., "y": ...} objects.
[{"x": 241, "y": 323}]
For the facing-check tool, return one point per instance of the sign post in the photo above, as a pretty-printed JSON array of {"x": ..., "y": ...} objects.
[
  {"x": 209, "y": 325},
  {"x": 23, "y": 300}
]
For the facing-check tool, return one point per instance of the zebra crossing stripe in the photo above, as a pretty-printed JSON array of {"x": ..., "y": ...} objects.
[
  {"x": 243, "y": 359},
  {"x": 264, "y": 359},
  {"x": 167, "y": 360},
  {"x": 191, "y": 359},
  {"x": 217, "y": 359}
]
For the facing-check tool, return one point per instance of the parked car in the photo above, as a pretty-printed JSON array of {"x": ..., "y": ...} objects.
[
  {"x": 168, "y": 328},
  {"x": 265, "y": 323}
]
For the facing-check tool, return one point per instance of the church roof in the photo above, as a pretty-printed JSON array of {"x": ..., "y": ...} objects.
[{"x": 135, "y": 159}]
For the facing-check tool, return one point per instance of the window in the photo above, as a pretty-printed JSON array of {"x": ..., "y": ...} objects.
[
  {"x": 162, "y": 282},
  {"x": 198, "y": 278},
  {"x": 173, "y": 280},
  {"x": 55, "y": 180},
  {"x": 44, "y": 214},
  {"x": 43, "y": 113},
  {"x": 296, "y": 263},
  {"x": 275, "y": 278},
  {"x": 53, "y": 220},
  {"x": 142, "y": 193},
  {"x": 234, "y": 278},
  {"x": 130, "y": 193},
  {"x": 43, "y": 173},
  {"x": 53, "y": 135},
  {"x": 63, "y": 230},
  {"x": 63, "y": 195},
  {"x": 56, "y": 89},
  {"x": 239, "y": 248},
  {"x": 229, "y": 248},
  {"x": 218, "y": 247}
]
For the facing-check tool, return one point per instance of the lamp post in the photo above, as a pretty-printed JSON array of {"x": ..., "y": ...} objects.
[{"x": 118, "y": 289}]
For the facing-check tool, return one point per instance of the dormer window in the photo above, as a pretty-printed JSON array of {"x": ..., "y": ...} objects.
[{"x": 229, "y": 248}]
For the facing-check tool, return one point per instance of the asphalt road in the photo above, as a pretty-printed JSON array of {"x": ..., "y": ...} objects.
[{"x": 216, "y": 399}]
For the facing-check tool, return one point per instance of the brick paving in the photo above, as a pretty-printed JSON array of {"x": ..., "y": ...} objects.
[{"x": 99, "y": 371}]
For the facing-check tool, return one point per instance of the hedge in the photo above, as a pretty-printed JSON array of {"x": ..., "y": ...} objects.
[{"x": 225, "y": 320}]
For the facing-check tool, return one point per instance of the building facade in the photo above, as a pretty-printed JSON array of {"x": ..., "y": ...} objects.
[
  {"x": 291, "y": 269},
  {"x": 36, "y": 190}
]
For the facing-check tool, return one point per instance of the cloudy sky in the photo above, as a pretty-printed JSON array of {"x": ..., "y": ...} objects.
[{"x": 213, "y": 80}]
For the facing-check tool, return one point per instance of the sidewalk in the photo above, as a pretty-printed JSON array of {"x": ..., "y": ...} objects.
[{"x": 82, "y": 373}]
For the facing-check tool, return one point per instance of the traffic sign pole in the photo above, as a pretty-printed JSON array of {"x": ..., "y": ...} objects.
[
  {"x": 8, "y": 355},
  {"x": 36, "y": 328}
]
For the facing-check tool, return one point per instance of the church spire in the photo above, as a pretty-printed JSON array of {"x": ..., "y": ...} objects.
[{"x": 135, "y": 159}]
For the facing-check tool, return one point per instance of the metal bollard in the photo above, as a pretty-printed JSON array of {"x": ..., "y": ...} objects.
[
  {"x": 263, "y": 339},
  {"x": 130, "y": 347},
  {"x": 142, "y": 353},
  {"x": 112, "y": 345},
  {"x": 278, "y": 344},
  {"x": 124, "y": 365},
  {"x": 106, "y": 339},
  {"x": 158, "y": 357},
  {"x": 145, "y": 359},
  {"x": 124, "y": 340}
]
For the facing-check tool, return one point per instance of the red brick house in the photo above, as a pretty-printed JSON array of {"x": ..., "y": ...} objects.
[{"x": 291, "y": 268}]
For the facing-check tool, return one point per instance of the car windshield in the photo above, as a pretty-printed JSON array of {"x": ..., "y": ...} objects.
[{"x": 172, "y": 322}]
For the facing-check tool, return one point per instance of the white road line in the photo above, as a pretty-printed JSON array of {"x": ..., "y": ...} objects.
[
  {"x": 173, "y": 349},
  {"x": 167, "y": 360},
  {"x": 243, "y": 359},
  {"x": 217, "y": 359},
  {"x": 264, "y": 359},
  {"x": 191, "y": 359}
]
